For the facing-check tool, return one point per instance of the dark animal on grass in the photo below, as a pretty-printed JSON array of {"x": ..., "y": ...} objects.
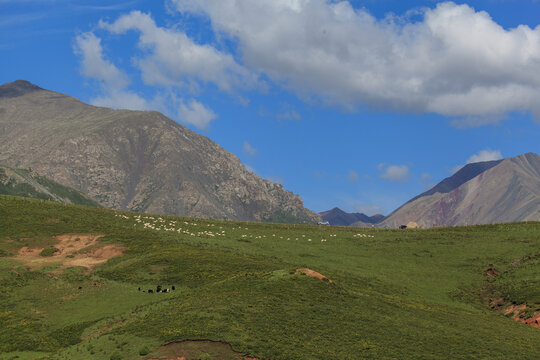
[
  {"x": 158, "y": 289},
  {"x": 403, "y": 227},
  {"x": 173, "y": 288},
  {"x": 150, "y": 291},
  {"x": 139, "y": 289},
  {"x": 165, "y": 290}
]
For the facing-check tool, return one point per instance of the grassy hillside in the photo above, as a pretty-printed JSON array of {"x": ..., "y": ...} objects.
[
  {"x": 23, "y": 182},
  {"x": 418, "y": 294}
]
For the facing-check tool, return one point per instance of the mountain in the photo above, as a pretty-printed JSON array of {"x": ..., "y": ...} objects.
[
  {"x": 338, "y": 217},
  {"x": 27, "y": 183},
  {"x": 134, "y": 160},
  {"x": 481, "y": 193}
]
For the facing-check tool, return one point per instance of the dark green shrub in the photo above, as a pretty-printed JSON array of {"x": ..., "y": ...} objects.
[
  {"x": 48, "y": 251},
  {"x": 116, "y": 356},
  {"x": 144, "y": 351}
]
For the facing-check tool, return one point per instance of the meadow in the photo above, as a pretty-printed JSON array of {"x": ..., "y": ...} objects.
[{"x": 394, "y": 294}]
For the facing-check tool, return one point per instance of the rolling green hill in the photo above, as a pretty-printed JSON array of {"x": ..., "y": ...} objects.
[
  {"x": 414, "y": 294},
  {"x": 23, "y": 182}
]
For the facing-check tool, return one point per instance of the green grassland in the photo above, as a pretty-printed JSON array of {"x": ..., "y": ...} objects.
[{"x": 414, "y": 294}]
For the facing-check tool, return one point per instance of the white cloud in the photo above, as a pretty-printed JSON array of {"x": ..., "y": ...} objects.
[
  {"x": 112, "y": 80},
  {"x": 171, "y": 58},
  {"x": 248, "y": 149},
  {"x": 196, "y": 114},
  {"x": 352, "y": 176},
  {"x": 455, "y": 61},
  {"x": 114, "y": 83},
  {"x": 394, "y": 172},
  {"x": 94, "y": 64},
  {"x": 483, "y": 155}
]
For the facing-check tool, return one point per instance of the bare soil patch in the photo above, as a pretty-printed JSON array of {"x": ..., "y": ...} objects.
[
  {"x": 73, "y": 250},
  {"x": 197, "y": 349},
  {"x": 514, "y": 310},
  {"x": 314, "y": 274}
]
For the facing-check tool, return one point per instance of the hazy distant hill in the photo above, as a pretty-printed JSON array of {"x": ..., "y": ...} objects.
[
  {"x": 21, "y": 182},
  {"x": 134, "y": 160},
  {"x": 338, "y": 217},
  {"x": 481, "y": 193}
]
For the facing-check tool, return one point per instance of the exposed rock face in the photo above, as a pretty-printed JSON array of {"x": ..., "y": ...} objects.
[
  {"x": 481, "y": 193},
  {"x": 134, "y": 160}
]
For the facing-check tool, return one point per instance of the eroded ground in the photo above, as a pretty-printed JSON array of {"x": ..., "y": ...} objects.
[{"x": 72, "y": 250}]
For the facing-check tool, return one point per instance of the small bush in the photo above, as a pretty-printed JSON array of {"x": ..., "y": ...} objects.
[
  {"x": 526, "y": 313},
  {"x": 48, "y": 251},
  {"x": 116, "y": 356},
  {"x": 144, "y": 351}
]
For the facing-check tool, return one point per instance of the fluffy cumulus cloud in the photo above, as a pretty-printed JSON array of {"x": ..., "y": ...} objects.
[
  {"x": 114, "y": 83},
  {"x": 483, "y": 155},
  {"x": 455, "y": 61},
  {"x": 195, "y": 113},
  {"x": 171, "y": 58},
  {"x": 112, "y": 80},
  {"x": 394, "y": 172}
]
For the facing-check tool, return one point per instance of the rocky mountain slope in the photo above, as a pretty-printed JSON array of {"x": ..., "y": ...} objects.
[
  {"x": 479, "y": 193},
  {"x": 134, "y": 160},
  {"x": 27, "y": 183},
  {"x": 338, "y": 217}
]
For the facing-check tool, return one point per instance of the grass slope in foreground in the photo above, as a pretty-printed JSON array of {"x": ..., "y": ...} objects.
[{"x": 419, "y": 294}]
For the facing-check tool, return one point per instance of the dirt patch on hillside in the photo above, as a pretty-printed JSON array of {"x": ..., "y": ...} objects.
[
  {"x": 197, "y": 349},
  {"x": 314, "y": 274},
  {"x": 72, "y": 250},
  {"x": 515, "y": 310},
  {"x": 520, "y": 313}
]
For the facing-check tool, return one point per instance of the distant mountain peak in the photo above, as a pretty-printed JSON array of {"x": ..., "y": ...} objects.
[
  {"x": 338, "y": 217},
  {"x": 17, "y": 88},
  {"x": 487, "y": 192}
]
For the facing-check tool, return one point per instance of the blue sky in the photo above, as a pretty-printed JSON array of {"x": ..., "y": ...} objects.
[{"x": 356, "y": 104}]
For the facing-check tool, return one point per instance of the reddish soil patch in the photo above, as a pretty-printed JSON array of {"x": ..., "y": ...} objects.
[
  {"x": 314, "y": 274},
  {"x": 491, "y": 272},
  {"x": 73, "y": 250},
  {"x": 195, "y": 349},
  {"x": 533, "y": 321}
]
